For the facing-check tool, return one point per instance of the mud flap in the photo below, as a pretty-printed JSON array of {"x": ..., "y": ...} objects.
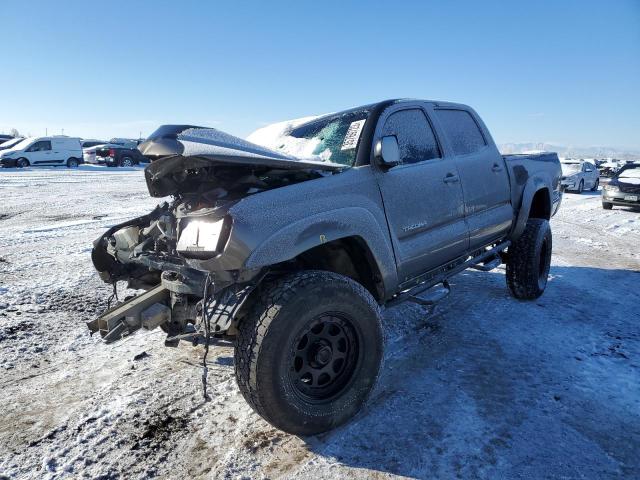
[{"x": 148, "y": 310}]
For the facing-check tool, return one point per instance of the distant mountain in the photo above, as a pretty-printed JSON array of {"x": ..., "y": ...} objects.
[{"x": 577, "y": 152}]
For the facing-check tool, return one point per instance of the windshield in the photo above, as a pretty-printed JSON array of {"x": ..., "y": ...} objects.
[
  {"x": 24, "y": 143},
  {"x": 569, "y": 168},
  {"x": 330, "y": 138},
  {"x": 10, "y": 143}
]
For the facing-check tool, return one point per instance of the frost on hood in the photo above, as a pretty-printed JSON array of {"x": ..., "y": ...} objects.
[
  {"x": 276, "y": 136},
  {"x": 199, "y": 141}
]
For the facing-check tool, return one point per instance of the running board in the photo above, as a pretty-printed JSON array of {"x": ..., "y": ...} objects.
[
  {"x": 488, "y": 265},
  {"x": 490, "y": 256},
  {"x": 145, "y": 310},
  {"x": 434, "y": 295}
]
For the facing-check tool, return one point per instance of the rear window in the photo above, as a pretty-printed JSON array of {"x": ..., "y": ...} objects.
[{"x": 463, "y": 131}]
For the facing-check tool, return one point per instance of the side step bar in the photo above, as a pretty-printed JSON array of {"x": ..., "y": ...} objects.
[
  {"x": 146, "y": 310},
  {"x": 487, "y": 260},
  {"x": 434, "y": 295},
  {"x": 487, "y": 265}
]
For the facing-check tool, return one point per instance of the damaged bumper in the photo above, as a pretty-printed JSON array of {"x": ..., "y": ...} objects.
[{"x": 148, "y": 310}]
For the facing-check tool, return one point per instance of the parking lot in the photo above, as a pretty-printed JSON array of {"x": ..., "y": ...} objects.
[{"x": 486, "y": 386}]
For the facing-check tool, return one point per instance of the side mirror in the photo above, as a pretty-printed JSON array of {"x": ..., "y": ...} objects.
[{"x": 387, "y": 152}]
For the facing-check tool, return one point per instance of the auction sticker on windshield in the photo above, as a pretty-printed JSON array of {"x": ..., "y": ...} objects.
[{"x": 353, "y": 134}]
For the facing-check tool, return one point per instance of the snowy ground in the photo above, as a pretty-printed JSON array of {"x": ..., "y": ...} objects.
[{"x": 486, "y": 387}]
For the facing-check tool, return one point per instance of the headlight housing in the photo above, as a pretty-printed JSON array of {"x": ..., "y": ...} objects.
[
  {"x": 611, "y": 188},
  {"x": 200, "y": 238}
]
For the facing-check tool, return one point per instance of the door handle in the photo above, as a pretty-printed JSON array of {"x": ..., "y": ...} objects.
[
  {"x": 496, "y": 168},
  {"x": 451, "y": 178}
]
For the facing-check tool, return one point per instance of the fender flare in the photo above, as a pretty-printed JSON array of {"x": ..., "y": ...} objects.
[
  {"x": 533, "y": 186},
  {"x": 302, "y": 235}
]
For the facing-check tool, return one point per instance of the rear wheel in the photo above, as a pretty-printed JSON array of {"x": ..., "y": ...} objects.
[
  {"x": 72, "y": 163},
  {"x": 529, "y": 260},
  {"x": 607, "y": 205},
  {"x": 22, "y": 163},
  {"x": 309, "y": 352},
  {"x": 126, "y": 162}
]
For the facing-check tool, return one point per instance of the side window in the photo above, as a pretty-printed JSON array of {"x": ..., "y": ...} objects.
[
  {"x": 41, "y": 146},
  {"x": 416, "y": 139},
  {"x": 462, "y": 130}
]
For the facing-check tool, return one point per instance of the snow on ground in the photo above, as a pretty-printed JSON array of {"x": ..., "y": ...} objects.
[{"x": 485, "y": 387}]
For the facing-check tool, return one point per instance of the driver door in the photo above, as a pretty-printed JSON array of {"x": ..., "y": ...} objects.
[
  {"x": 422, "y": 196},
  {"x": 40, "y": 153}
]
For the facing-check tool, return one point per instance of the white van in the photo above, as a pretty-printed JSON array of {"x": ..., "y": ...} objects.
[{"x": 43, "y": 151}]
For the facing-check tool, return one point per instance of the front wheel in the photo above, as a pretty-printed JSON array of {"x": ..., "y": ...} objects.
[
  {"x": 22, "y": 163},
  {"x": 580, "y": 187},
  {"x": 595, "y": 185},
  {"x": 607, "y": 205},
  {"x": 309, "y": 351},
  {"x": 529, "y": 260}
]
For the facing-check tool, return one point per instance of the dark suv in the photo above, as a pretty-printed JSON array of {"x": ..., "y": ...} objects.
[{"x": 120, "y": 153}]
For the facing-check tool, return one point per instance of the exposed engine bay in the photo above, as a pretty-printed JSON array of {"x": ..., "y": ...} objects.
[{"x": 178, "y": 252}]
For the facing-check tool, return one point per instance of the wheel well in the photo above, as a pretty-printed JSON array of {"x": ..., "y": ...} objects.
[
  {"x": 540, "y": 205},
  {"x": 348, "y": 256}
]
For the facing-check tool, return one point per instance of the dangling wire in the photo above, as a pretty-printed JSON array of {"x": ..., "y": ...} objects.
[
  {"x": 113, "y": 296},
  {"x": 207, "y": 329}
]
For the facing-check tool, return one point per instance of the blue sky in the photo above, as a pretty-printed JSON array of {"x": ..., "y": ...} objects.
[{"x": 550, "y": 71}]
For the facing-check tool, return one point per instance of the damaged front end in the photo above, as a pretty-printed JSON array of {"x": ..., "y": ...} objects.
[{"x": 186, "y": 254}]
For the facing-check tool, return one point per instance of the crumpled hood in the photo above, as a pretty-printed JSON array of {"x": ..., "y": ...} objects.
[{"x": 174, "y": 149}]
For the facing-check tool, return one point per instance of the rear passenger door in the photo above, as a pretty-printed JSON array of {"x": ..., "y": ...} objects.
[
  {"x": 422, "y": 196},
  {"x": 483, "y": 175}
]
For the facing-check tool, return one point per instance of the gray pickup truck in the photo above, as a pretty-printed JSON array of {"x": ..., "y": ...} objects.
[{"x": 291, "y": 251}]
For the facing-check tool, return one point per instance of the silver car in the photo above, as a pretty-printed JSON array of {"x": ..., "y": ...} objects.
[{"x": 578, "y": 176}]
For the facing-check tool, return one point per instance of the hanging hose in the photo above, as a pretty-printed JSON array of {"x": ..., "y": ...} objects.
[{"x": 207, "y": 329}]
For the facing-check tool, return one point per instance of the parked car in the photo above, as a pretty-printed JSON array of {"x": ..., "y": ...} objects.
[
  {"x": 10, "y": 143},
  {"x": 609, "y": 168},
  {"x": 292, "y": 257},
  {"x": 577, "y": 176},
  {"x": 624, "y": 188},
  {"x": 4, "y": 138},
  {"x": 43, "y": 151},
  {"x": 114, "y": 155},
  {"x": 89, "y": 154}
]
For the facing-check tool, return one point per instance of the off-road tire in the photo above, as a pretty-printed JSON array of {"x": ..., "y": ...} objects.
[
  {"x": 22, "y": 163},
  {"x": 268, "y": 343},
  {"x": 528, "y": 260},
  {"x": 607, "y": 205}
]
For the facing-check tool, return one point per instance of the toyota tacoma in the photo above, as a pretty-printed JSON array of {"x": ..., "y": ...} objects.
[{"x": 292, "y": 249}]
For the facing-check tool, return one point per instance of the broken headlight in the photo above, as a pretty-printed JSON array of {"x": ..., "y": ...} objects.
[{"x": 200, "y": 238}]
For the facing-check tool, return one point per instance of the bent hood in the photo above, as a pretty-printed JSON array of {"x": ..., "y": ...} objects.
[{"x": 174, "y": 149}]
